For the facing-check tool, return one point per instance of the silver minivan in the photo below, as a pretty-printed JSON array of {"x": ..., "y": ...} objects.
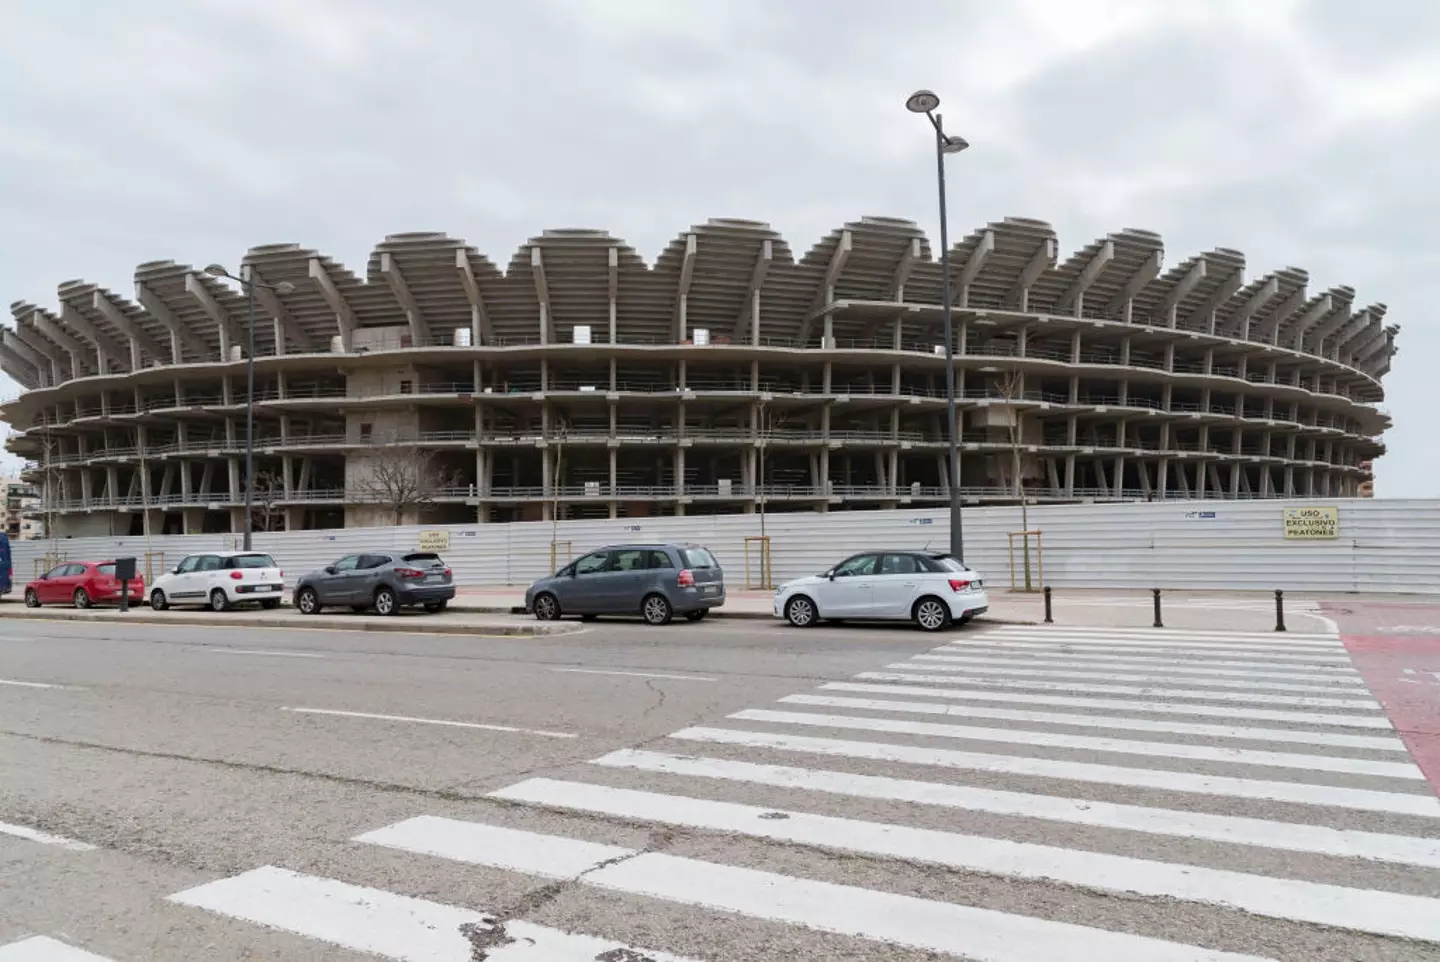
[{"x": 654, "y": 581}]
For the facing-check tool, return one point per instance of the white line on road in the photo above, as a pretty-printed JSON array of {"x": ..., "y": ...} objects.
[
  {"x": 1301, "y": 793},
  {"x": 1144, "y": 659},
  {"x": 1276, "y": 638},
  {"x": 37, "y": 684},
  {"x": 444, "y": 722},
  {"x": 1274, "y": 672},
  {"x": 1287, "y": 836},
  {"x": 507, "y": 848},
  {"x": 1152, "y": 691},
  {"x": 42, "y": 949},
  {"x": 44, "y": 838},
  {"x": 1361, "y": 910},
  {"x": 1379, "y": 743},
  {"x": 389, "y": 925},
  {"x": 631, "y": 674},
  {"x": 1374, "y": 721},
  {"x": 1090, "y": 743},
  {"x": 848, "y": 910},
  {"x": 1333, "y": 688},
  {"x": 1174, "y": 649},
  {"x": 276, "y": 652}
]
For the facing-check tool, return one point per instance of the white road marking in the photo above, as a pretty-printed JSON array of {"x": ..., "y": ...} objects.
[
  {"x": 1179, "y": 668},
  {"x": 1198, "y": 649},
  {"x": 1153, "y": 691},
  {"x": 39, "y": 948},
  {"x": 44, "y": 838},
  {"x": 383, "y": 923},
  {"x": 1361, "y": 910},
  {"x": 847, "y": 910},
  {"x": 36, "y": 684},
  {"x": 1145, "y": 659},
  {"x": 1333, "y": 688},
  {"x": 1091, "y": 743},
  {"x": 275, "y": 652},
  {"x": 632, "y": 674},
  {"x": 1286, "y": 836},
  {"x": 1374, "y": 721},
  {"x": 507, "y": 848},
  {"x": 1380, "y": 743},
  {"x": 431, "y": 721},
  {"x": 1276, "y": 638},
  {"x": 1300, "y": 793}
]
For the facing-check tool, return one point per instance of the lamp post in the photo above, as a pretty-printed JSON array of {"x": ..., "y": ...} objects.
[
  {"x": 284, "y": 287},
  {"x": 925, "y": 102}
]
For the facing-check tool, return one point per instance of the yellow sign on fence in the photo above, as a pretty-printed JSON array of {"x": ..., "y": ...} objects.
[
  {"x": 434, "y": 541},
  {"x": 1312, "y": 524}
]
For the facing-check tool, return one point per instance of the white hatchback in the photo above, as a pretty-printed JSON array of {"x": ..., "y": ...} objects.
[
  {"x": 931, "y": 589},
  {"x": 220, "y": 580}
]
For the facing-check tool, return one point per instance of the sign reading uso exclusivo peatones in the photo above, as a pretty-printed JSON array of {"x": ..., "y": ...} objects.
[{"x": 1320, "y": 523}]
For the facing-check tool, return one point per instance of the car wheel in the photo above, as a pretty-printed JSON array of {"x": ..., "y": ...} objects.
[
  {"x": 698, "y": 615},
  {"x": 434, "y": 607},
  {"x": 158, "y": 601},
  {"x": 547, "y": 607},
  {"x": 82, "y": 598},
  {"x": 32, "y": 600},
  {"x": 931, "y": 614},
  {"x": 270, "y": 604},
  {"x": 307, "y": 602},
  {"x": 219, "y": 601},
  {"x": 656, "y": 610},
  {"x": 800, "y": 612},
  {"x": 385, "y": 601}
]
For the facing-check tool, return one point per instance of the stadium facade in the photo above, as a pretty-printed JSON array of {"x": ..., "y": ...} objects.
[{"x": 730, "y": 376}]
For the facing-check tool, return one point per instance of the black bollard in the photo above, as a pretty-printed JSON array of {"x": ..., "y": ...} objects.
[
  {"x": 1158, "y": 622},
  {"x": 1048, "y": 619},
  {"x": 1279, "y": 610}
]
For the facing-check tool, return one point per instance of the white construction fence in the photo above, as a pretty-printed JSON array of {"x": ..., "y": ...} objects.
[{"x": 1331, "y": 545}]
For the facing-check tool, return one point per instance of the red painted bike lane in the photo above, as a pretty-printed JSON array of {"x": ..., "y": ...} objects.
[{"x": 1396, "y": 648}]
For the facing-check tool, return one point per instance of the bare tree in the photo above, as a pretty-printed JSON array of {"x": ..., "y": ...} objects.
[
  {"x": 1012, "y": 386},
  {"x": 404, "y": 476},
  {"x": 269, "y": 490}
]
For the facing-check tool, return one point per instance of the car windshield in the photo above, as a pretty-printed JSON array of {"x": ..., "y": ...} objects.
[
  {"x": 698, "y": 558},
  {"x": 252, "y": 561},
  {"x": 428, "y": 558}
]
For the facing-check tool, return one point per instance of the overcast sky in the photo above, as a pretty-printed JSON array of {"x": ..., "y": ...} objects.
[{"x": 1302, "y": 133}]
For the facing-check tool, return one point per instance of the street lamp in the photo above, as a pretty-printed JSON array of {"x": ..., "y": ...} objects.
[
  {"x": 925, "y": 102},
  {"x": 284, "y": 287}
]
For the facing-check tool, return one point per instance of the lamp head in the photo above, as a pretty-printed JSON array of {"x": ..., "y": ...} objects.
[
  {"x": 953, "y": 145},
  {"x": 217, "y": 270},
  {"x": 284, "y": 287},
  {"x": 922, "y": 102}
]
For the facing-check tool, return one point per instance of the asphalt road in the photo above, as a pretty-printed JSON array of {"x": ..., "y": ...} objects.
[{"x": 713, "y": 791}]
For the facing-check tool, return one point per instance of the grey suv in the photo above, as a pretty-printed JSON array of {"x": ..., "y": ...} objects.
[
  {"x": 385, "y": 581},
  {"x": 654, "y": 581}
]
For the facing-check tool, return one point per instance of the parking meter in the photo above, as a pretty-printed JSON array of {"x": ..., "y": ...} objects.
[{"x": 125, "y": 573}]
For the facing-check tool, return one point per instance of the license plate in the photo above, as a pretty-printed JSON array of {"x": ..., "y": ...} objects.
[
  {"x": 267, "y": 588},
  {"x": 434, "y": 577},
  {"x": 708, "y": 590}
]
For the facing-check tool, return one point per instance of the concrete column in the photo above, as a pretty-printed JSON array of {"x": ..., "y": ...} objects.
[
  {"x": 1075, "y": 348},
  {"x": 1234, "y": 480},
  {"x": 184, "y": 471},
  {"x": 1162, "y": 478},
  {"x": 287, "y": 474},
  {"x": 1069, "y": 475},
  {"x": 233, "y": 470},
  {"x": 679, "y": 472}
]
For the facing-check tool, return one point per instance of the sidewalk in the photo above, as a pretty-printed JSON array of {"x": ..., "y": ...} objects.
[{"x": 1215, "y": 610}]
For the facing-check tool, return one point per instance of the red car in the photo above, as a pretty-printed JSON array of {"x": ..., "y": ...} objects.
[{"x": 82, "y": 584}]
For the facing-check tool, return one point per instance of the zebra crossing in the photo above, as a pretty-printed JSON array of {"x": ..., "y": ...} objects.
[{"x": 1248, "y": 782}]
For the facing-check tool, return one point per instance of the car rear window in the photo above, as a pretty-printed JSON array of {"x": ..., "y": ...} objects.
[
  {"x": 428, "y": 558},
  {"x": 948, "y": 564},
  {"x": 106, "y": 570},
  {"x": 251, "y": 561},
  {"x": 698, "y": 558}
]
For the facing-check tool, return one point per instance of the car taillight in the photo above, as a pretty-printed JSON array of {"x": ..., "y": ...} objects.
[
  {"x": 959, "y": 584},
  {"x": 408, "y": 572},
  {"x": 686, "y": 578},
  {"x": 447, "y": 572},
  {"x": 236, "y": 576},
  {"x": 282, "y": 572}
]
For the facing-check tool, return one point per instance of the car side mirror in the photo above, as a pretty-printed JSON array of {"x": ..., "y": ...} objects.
[
  {"x": 175, "y": 570},
  {"x": 830, "y": 575},
  {"x": 329, "y": 569}
]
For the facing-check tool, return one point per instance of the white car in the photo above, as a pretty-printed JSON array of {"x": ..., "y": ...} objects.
[
  {"x": 220, "y": 580},
  {"x": 929, "y": 588}
]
